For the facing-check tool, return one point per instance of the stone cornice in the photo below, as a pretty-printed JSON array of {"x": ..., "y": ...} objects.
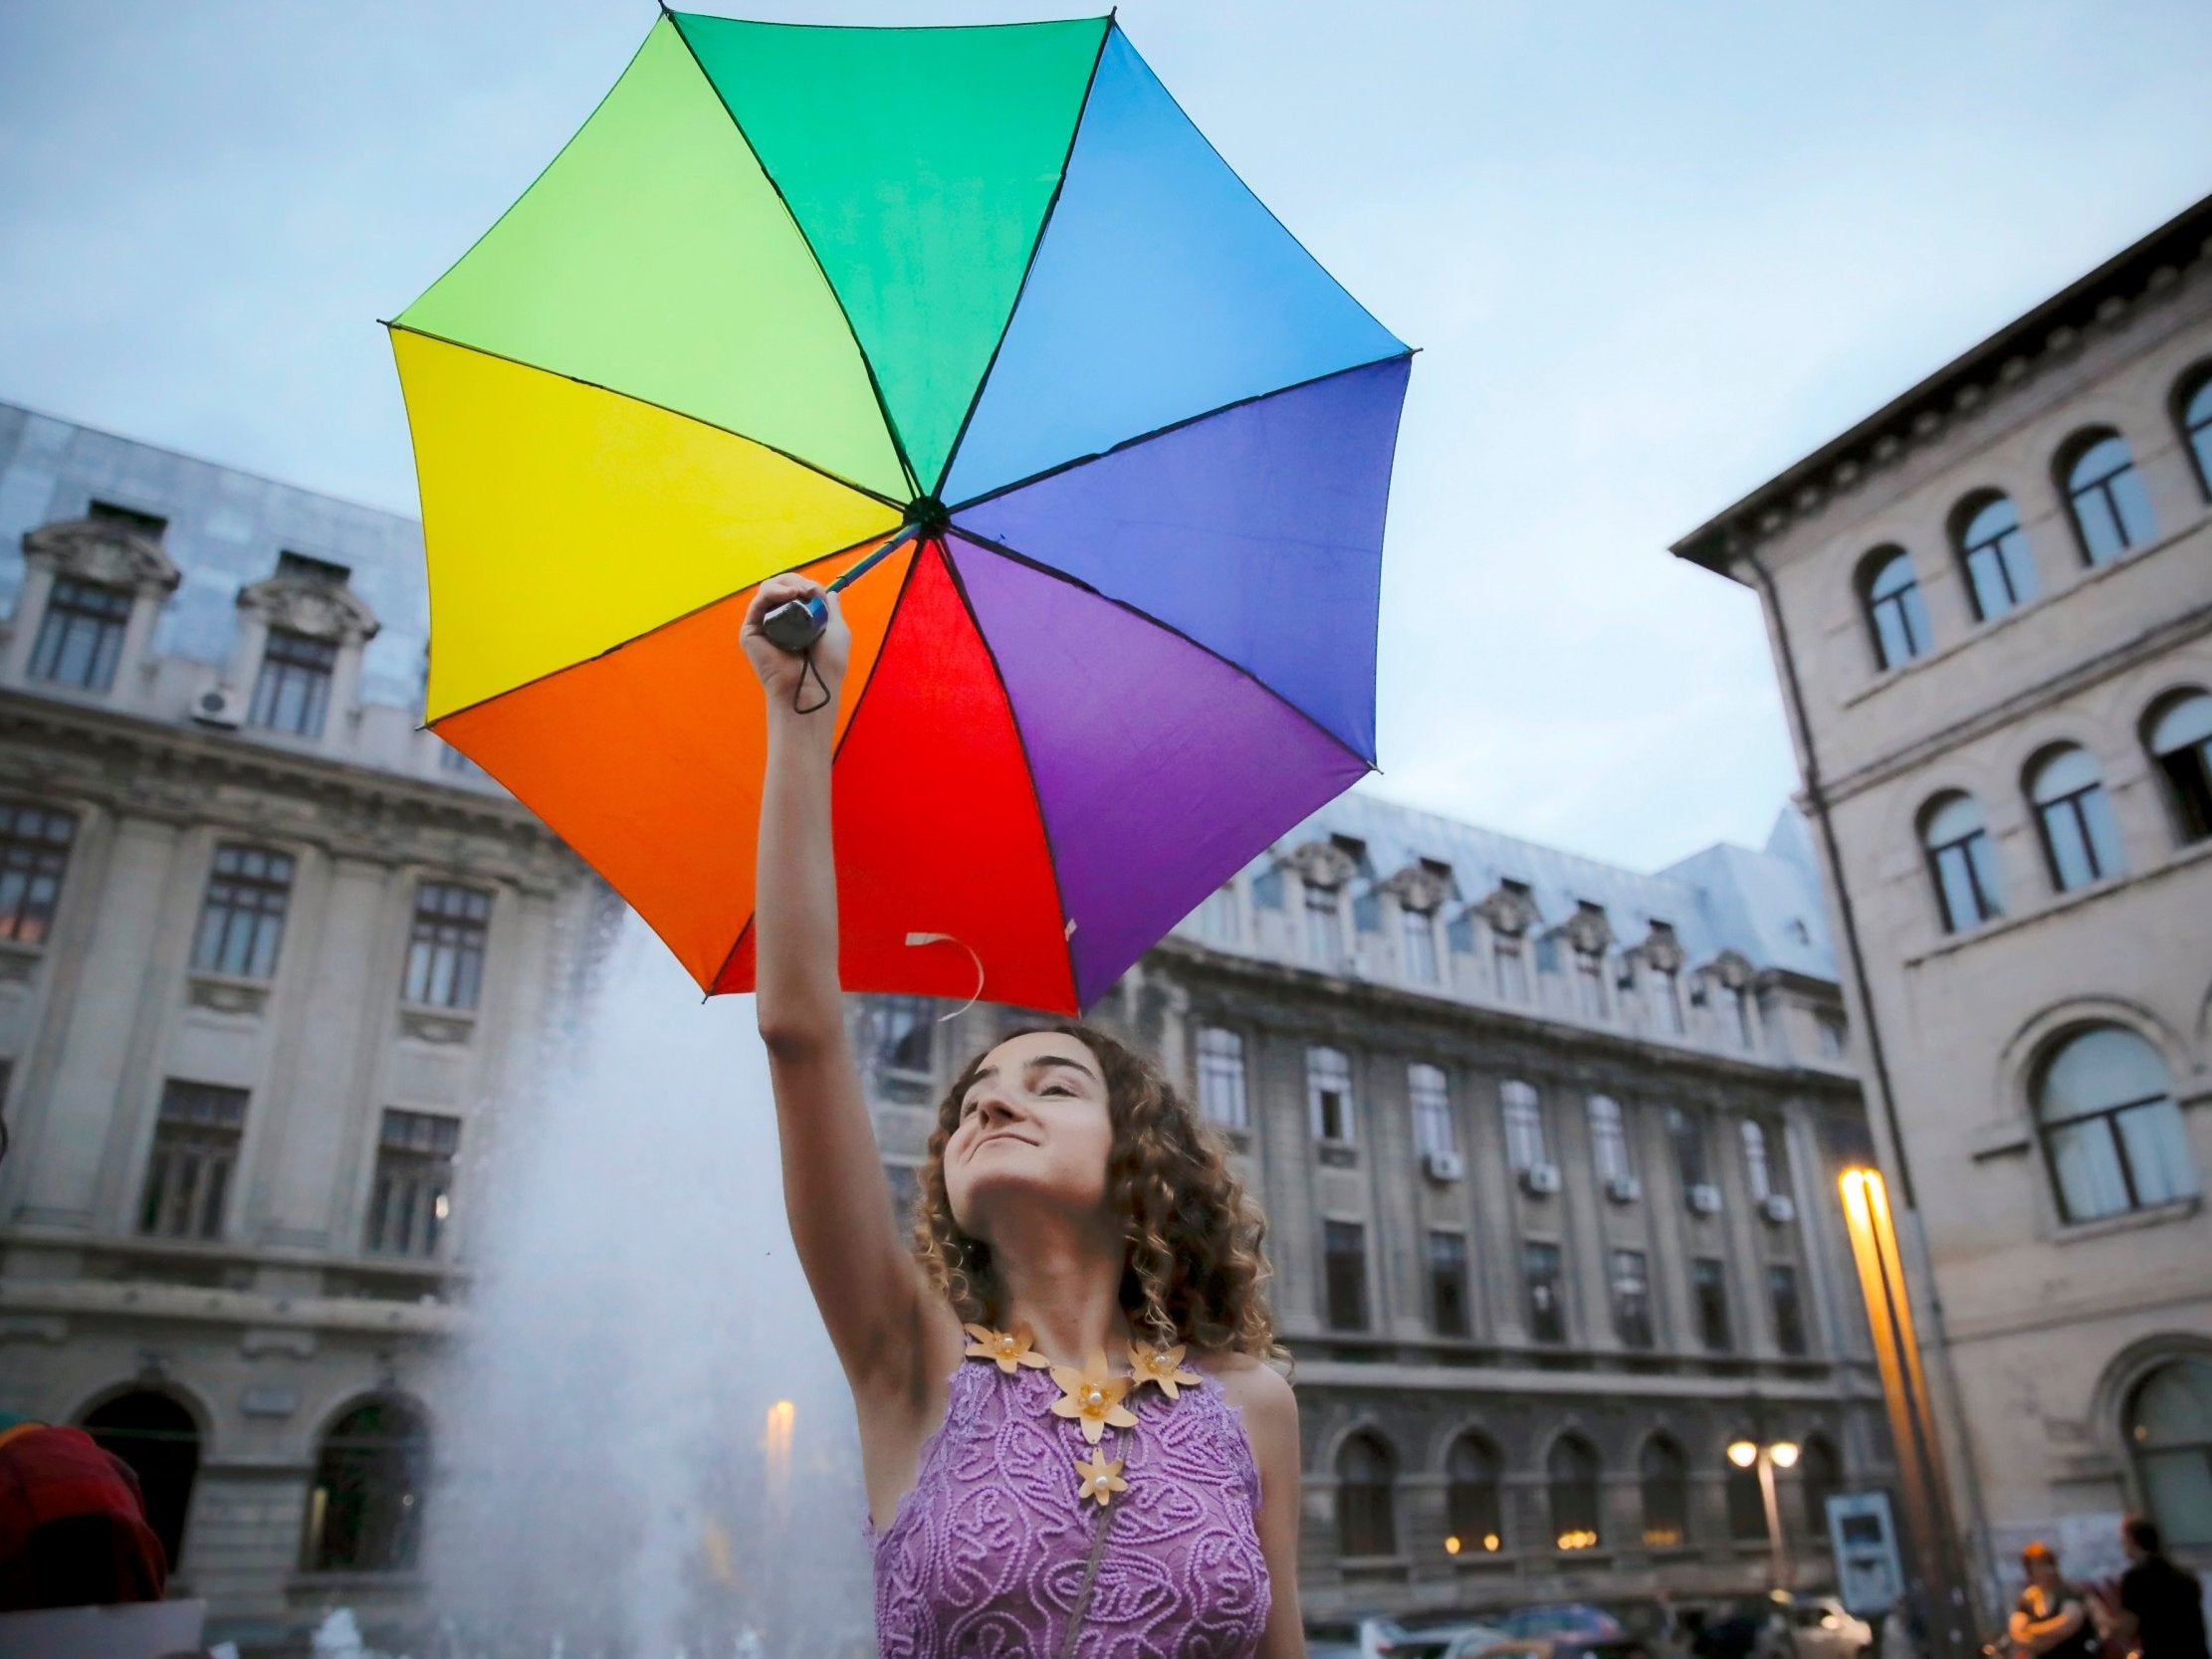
[
  {"x": 315, "y": 606},
  {"x": 104, "y": 551}
]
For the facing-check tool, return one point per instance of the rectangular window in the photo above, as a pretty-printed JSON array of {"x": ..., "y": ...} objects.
[
  {"x": 1688, "y": 1131},
  {"x": 1834, "y": 1036},
  {"x": 1324, "y": 928},
  {"x": 33, "y": 856},
  {"x": 1789, "y": 1310},
  {"x": 1510, "y": 957},
  {"x": 195, "y": 1150},
  {"x": 1547, "y": 1309},
  {"x": 1222, "y": 1078},
  {"x": 445, "y": 949},
  {"x": 1219, "y": 920},
  {"x": 1608, "y": 1141},
  {"x": 293, "y": 692},
  {"x": 1631, "y": 1299},
  {"x": 1744, "y": 1021},
  {"x": 1329, "y": 1094},
  {"x": 901, "y": 1034},
  {"x": 1666, "y": 1000},
  {"x": 413, "y": 1195},
  {"x": 1524, "y": 1125},
  {"x": 81, "y": 635},
  {"x": 242, "y": 916},
  {"x": 1589, "y": 990},
  {"x": 1430, "y": 1093},
  {"x": 1708, "y": 1282},
  {"x": 1419, "y": 930},
  {"x": 1448, "y": 1283},
  {"x": 1344, "y": 1256},
  {"x": 1755, "y": 1161}
]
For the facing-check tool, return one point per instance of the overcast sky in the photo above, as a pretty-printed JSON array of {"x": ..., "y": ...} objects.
[{"x": 1653, "y": 252}]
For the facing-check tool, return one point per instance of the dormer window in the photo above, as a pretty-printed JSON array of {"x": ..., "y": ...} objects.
[
  {"x": 82, "y": 581},
  {"x": 301, "y": 640},
  {"x": 292, "y": 692},
  {"x": 81, "y": 635}
]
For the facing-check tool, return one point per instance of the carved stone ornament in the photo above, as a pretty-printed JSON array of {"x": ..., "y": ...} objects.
[
  {"x": 226, "y": 996},
  {"x": 1321, "y": 864},
  {"x": 435, "y": 1028},
  {"x": 1587, "y": 930},
  {"x": 103, "y": 552},
  {"x": 1730, "y": 969},
  {"x": 1661, "y": 949},
  {"x": 1419, "y": 887},
  {"x": 1508, "y": 911},
  {"x": 310, "y": 605}
]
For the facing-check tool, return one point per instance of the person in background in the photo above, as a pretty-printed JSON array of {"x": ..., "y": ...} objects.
[
  {"x": 2161, "y": 1605},
  {"x": 2052, "y": 1618},
  {"x": 72, "y": 1528}
]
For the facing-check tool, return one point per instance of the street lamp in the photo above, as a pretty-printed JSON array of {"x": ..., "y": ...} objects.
[{"x": 1766, "y": 1458}]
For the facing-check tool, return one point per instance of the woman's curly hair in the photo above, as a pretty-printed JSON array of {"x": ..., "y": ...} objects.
[{"x": 1193, "y": 1271}]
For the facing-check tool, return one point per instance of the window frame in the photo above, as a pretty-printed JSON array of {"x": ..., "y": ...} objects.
[
  {"x": 36, "y": 845},
  {"x": 2192, "y": 418},
  {"x": 1972, "y": 856},
  {"x": 1344, "y": 1276},
  {"x": 2116, "y": 490},
  {"x": 1521, "y": 1113},
  {"x": 1629, "y": 1278},
  {"x": 199, "y": 1131},
  {"x": 1325, "y": 1057},
  {"x": 292, "y": 687},
  {"x": 1429, "y": 1098},
  {"x": 1224, "y": 1081},
  {"x": 2184, "y": 767},
  {"x": 1662, "y": 1492},
  {"x": 2008, "y": 558},
  {"x": 1786, "y": 1305},
  {"x": 1709, "y": 1292},
  {"x": 1474, "y": 1497},
  {"x": 1574, "y": 1490},
  {"x": 2107, "y": 1117},
  {"x": 1366, "y": 1509},
  {"x": 84, "y": 622},
  {"x": 1449, "y": 1315},
  {"x": 411, "y": 1185},
  {"x": 1547, "y": 1313},
  {"x": 451, "y": 946},
  {"x": 246, "y": 900},
  {"x": 1902, "y": 606},
  {"x": 1609, "y": 1153}
]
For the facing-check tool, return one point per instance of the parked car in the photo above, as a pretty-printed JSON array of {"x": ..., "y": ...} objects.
[
  {"x": 1821, "y": 1627},
  {"x": 1369, "y": 1635},
  {"x": 1457, "y": 1640},
  {"x": 1573, "y": 1631}
]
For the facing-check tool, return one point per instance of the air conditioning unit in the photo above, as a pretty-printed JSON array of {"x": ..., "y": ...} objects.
[
  {"x": 220, "y": 705},
  {"x": 1623, "y": 1189},
  {"x": 1779, "y": 1208},
  {"x": 1704, "y": 1198},
  {"x": 1540, "y": 1180},
  {"x": 1444, "y": 1166}
]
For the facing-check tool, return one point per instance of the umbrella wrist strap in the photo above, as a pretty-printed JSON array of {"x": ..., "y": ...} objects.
[{"x": 806, "y": 668}]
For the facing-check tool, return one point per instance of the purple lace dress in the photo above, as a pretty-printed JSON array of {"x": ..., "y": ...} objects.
[{"x": 986, "y": 1556}]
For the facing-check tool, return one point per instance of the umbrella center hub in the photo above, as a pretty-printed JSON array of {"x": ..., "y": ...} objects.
[{"x": 926, "y": 517}]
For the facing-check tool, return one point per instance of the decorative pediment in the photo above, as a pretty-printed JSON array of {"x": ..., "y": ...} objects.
[
  {"x": 1730, "y": 969},
  {"x": 1419, "y": 887},
  {"x": 1322, "y": 864},
  {"x": 1588, "y": 932},
  {"x": 1509, "y": 910},
  {"x": 309, "y": 604},
  {"x": 1661, "y": 949},
  {"x": 104, "y": 551}
]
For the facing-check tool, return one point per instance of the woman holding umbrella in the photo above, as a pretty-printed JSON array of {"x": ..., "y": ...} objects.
[{"x": 1071, "y": 1440}]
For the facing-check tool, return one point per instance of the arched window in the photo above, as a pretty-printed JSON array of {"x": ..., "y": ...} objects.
[
  {"x": 2178, "y": 733},
  {"x": 1895, "y": 615},
  {"x": 1963, "y": 862},
  {"x": 2112, "y": 510},
  {"x": 1820, "y": 1476},
  {"x": 157, "y": 1437},
  {"x": 1472, "y": 1502},
  {"x": 1665, "y": 1476},
  {"x": 1576, "y": 1503},
  {"x": 1994, "y": 550},
  {"x": 1608, "y": 1144},
  {"x": 2169, "y": 1435},
  {"x": 2110, "y": 1129},
  {"x": 371, "y": 1480},
  {"x": 2080, "y": 837},
  {"x": 1365, "y": 1472},
  {"x": 1747, "y": 1505},
  {"x": 2195, "y": 408}
]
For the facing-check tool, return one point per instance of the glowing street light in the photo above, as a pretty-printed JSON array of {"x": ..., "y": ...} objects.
[
  {"x": 1766, "y": 1458},
  {"x": 776, "y": 1442}
]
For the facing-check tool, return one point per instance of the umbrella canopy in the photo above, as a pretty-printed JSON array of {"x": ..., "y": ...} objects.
[{"x": 794, "y": 290}]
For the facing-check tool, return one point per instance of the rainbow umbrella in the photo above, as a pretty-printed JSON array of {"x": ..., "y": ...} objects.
[{"x": 794, "y": 292}]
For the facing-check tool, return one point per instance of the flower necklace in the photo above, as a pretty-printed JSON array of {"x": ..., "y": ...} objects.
[{"x": 1090, "y": 1396}]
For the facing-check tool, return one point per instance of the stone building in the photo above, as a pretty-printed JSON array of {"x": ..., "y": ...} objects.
[
  {"x": 1990, "y": 604},
  {"x": 1548, "y": 1150},
  {"x": 267, "y": 955}
]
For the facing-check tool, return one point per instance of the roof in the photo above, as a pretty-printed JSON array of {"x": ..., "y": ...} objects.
[{"x": 2150, "y": 263}]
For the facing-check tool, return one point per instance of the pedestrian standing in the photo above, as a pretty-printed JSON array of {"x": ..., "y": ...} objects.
[
  {"x": 2161, "y": 1605},
  {"x": 2052, "y": 1618}
]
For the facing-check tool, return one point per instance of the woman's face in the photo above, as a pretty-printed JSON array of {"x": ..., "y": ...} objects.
[{"x": 1034, "y": 1126}]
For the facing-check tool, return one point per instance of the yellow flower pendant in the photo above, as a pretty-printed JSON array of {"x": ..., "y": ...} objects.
[
  {"x": 1101, "y": 1479},
  {"x": 1092, "y": 1399},
  {"x": 1161, "y": 1367},
  {"x": 1004, "y": 1348}
]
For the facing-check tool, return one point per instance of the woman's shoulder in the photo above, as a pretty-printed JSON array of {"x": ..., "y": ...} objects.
[{"x": 1252, "y": 1386}]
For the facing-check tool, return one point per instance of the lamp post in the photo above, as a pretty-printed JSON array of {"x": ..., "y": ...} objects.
[{"x": 1766, "y": 1457}]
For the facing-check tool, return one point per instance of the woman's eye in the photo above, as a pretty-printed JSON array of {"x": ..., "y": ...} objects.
[{"x": 1056, "y": 1088}]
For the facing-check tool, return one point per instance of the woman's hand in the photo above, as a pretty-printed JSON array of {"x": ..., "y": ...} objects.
[{"x": 780, "y": 672}]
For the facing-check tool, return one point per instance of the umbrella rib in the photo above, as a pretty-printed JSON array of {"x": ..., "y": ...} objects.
[
  {"x": 1044, "y": 223},
  {"x": 1059, "y": 468},
  {"x": 648, "y": 403},
  {"x": 875, "y": 387},
  {"x": 987, "y": 544},
  {"x": 1029, "y": 771}
]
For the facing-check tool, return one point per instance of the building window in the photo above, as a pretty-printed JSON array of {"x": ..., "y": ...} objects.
[
  {"x": 1590, "y": 992},
  {"x": 1219, "y": 920},
  {"x": 1509, "y": 956},
  {"x": 1994, "y": 550},
  {"x": 33, "y": 856},
  {"x": 1547, "y": 1309},
  {"x": 2080, "y": 837},
  {"x": 1417, "y": 929},
  {"x": 1747, "y": 1505},
  {"x": 1573, "y": 1472},
  {"x": 195, "y": 1150},
  {"x": 1365, "y": 1474},
  {"x": 1524, "y": 1125},
  {"x": 159, "y": 1439},
  {"x": 1474, "y": 1506},
  {"x": 1895, "y": 615},
  {"x": 2110, "y": 1129},
  {"x": 1666, "y": 994},
  {"x": 81, "y": 635},
  {"x": 1755, "y": 1161},
  {"x": 1708, "y": 1287},
  {"x": 1430, "y": 1095},
  {"x": 412, "y": 1198},
  {"x": 1448, "y": 1283},
  {"x": 242, "y": 916},
  {"x": 1834, "y": 1036},
  {"x": 1329, "y": 1094},
  {"x": 1608, "y": 1141},
  {"x": 445, "y": 950},
  {"x": 2179, "y": 735},
  {"x": 1687, "y": 1130},
  {"x": 1663, "y": 1474},
  {"x": 1325, "y": 927},
  {"x": 902, "y": 1033},
  {"x": 2169, "y": 1436},
  {"x": 372, "y": 1481},
  {"x": 1962, "y": 861},
  {"x": 1743, "y": 1017},
  {"x": 292, "y": 692},
  {"x": 2112, "y": 510},
  {"x": 1222, "y": 1078},
  {"x": 1789, "y": 1309},
  {"x": 2196, "y": 429},
  {"x": 1344, "y": 1261},
  {"x": 1631, "y": 1299},
  {"x": 1820, "y": 1476}
]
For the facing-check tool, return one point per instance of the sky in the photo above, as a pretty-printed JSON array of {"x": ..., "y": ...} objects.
[{"x": 1652, "y": 255}]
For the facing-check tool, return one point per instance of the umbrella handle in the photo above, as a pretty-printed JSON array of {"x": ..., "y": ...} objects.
[{"x": 795, "y": 624}]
